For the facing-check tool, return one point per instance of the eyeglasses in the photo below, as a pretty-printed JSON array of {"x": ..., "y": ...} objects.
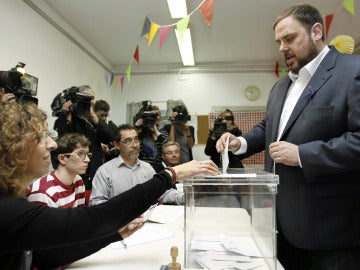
[
  {"x": 176, "y": 152},
  {"x": 49, "y": 133},
  {"x": 80, "y": 154},
  {"x": 130, "y": 141}
]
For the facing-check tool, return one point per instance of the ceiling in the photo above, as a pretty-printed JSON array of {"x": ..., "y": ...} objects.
[{"x": 241, "y": 31}]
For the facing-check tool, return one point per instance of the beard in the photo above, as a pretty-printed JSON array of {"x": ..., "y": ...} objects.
[{"x": 312, "y": 52}]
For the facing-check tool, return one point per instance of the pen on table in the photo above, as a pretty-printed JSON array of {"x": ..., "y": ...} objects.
[{"x": 124, "y": 244}]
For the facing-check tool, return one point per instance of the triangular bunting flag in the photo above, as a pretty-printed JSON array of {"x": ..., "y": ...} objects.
[
  {"x": 122, "y": 82},
  {"x": 146, "y": 28},
  {"x": 206, "y": 9},
  {"x": 328, "y": 20},
  {"x": 116, "y": 82},
  {"x": 111, "y": 79},
  {"x": 164, "y": 31},
  {"x": 349, "y": 6},
  {"x": 128, "y": 73},
  {"x": 283, "y": 72},
  {"x": 136, "y": 54},
  {"x": 277, "y": 69},
  {"x": 153, "y": 29},
  {"x": 182, "y": 25}
]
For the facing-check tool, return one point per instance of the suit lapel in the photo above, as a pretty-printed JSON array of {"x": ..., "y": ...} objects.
[{"x": 321, "y": 75}]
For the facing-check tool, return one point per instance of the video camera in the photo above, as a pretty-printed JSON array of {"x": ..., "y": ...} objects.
[
  {"x": 147, "y": 114},
  {"x": 219, "y": 126},
  {"x": 80, "y": 102},
  {"x": 182, "y": 115},
  {"x": 22, "y": 85}
]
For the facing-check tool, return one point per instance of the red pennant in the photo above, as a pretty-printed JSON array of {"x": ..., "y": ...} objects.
[
  {"x": 122, "y": 82},
  {"x": 277, "y": 69},
  {"x": 206, "y": 9},
  {"x": 136, "y": 54},
  {"x": 328, "y": 20}
]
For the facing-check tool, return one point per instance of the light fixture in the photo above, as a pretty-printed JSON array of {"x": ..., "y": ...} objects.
[
  {"x": 185, "y": 47},
  {"x": 177, "y": 8}
]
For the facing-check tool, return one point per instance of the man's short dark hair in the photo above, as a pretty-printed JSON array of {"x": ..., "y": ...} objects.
[
  {"x": 121, "y": 128},
  {"x": 306, "y": 14},
  {"x": 101, "y": 105}
]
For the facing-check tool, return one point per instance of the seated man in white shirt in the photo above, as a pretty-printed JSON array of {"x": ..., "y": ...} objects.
[{"x": 126, "y": 171}]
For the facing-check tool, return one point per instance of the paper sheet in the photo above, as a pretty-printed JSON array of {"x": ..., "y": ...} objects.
[
  {"x": 225, "y": 156},
  {"x": 223, "y": 252},
  {"x": 144, "y": 235},
  {"x": 166, "y": 213},
  {"x": 149, "y": 212}
]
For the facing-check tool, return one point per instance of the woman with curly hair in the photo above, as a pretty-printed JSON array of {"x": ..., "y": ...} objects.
[{"x": 33, "y": 235}]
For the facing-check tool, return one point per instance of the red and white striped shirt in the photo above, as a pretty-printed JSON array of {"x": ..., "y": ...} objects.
[{"x": 49, "y": 190}]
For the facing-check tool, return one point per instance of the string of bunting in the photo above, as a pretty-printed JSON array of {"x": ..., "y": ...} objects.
[
  {"x": 342, "y": 43},
  {"x": 150, "y": 29}
]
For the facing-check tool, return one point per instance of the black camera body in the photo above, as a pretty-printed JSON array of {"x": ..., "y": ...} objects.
[
  {"x": 80, "y": 102},
  {"x": 182, "y": 115},
  {"x": 22, "y": 85},
  {"x": 147, "y": 114},
  {"x": 219, "y": 126}
]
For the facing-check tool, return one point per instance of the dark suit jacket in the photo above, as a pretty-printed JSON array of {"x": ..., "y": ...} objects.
[{"x": 318, "y": 205}]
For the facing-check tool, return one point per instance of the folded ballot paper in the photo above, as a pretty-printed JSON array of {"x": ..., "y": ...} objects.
[{"x": 225, "y": 252}]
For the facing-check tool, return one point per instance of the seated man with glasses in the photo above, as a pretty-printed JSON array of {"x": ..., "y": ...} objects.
[
  {"x": 64, "y": 187},
  {"x": 126, "y": 171}
]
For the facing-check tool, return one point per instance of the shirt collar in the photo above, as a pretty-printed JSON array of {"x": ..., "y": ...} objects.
[
  {"x": 122, "y": 163},
  {"x": 310, "y": 67}
]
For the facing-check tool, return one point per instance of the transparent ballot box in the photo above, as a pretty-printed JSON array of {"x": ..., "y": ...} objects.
[{"x": 230, "y": 221}]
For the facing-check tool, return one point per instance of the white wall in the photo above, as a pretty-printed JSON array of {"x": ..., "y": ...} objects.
[
  {"x": 59, "y": 64},
  {"x": 48, "y": 55}
]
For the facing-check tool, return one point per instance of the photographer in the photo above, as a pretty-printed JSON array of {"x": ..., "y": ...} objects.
[
  {"x": 102, "y": 110},
  {"x": 181, "y": 133},
  {"x": 225, "y": 123},
  {"x": 16, "y": 85},
  {"x": 74, "y": 108},
  {"x": 151, "y": 139}
]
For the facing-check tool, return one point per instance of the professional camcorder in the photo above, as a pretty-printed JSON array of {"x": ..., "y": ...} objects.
[
  {"x": 147, "y": 114},
  {"x": 80, "y": 102},
  {"x": 219, "y": 126},
  {"x": 22, "y": 85},
  {"x": 182, "y": 115}
]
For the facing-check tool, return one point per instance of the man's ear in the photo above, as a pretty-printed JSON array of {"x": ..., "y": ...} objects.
[
  {"x": 317, "y": 31},
  {"x": 61, "y": 159},
  {"x": 117, "y": 144}
]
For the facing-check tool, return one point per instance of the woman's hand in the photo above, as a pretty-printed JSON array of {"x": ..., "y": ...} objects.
[
  {"x": 132, "y": 227},
  {"x": 195, "y": 167}
]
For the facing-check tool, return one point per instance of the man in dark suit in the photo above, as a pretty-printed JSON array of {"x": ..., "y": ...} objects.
[{"x": 311, "y": 134}]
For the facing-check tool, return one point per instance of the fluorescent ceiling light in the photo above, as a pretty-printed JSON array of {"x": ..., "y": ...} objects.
[
  {"x": 185, "y": 47},
  {"x": 177, "y": 8}
]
